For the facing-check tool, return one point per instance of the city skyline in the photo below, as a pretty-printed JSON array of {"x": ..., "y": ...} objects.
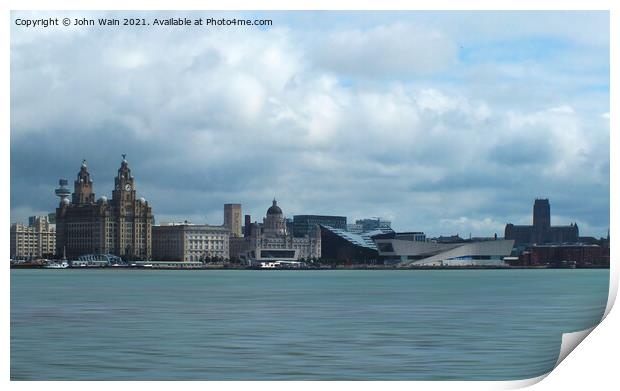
[
  {"x": 460, "y": 139},
  {"x": 64, "y": 192}
]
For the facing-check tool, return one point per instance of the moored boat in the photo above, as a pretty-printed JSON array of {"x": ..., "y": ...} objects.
[{"x": 57, "y": 265}]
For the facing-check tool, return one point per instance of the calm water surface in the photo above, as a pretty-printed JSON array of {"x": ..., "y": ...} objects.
[{"x": 296, "y": 325}]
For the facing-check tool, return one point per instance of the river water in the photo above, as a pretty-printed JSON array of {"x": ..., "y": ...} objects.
[{"x": 296, "y": 325}]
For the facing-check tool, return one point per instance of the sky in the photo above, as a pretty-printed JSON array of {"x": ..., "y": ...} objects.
[{"x": 442, "y": 122}]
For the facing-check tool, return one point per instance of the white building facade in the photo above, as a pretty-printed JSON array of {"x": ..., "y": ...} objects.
[
  {"x": 190, "y": 243},
  {"x": 33, "y": 241},
  {"x": 407, "y": 251}
]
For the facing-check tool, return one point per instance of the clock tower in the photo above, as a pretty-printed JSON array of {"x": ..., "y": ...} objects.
[
  {"x": 133, "y": 217},
  {"x": 124, "y": 193},
  {"x": 120, "y": 226}
]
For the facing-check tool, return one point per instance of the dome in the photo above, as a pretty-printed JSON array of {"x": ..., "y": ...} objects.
[
  {"x": 103, "y": 199},
  {"x": 142, "y": 200},
  {"x": 66, "y": 201},
  {"x": 274, "y": 209}
]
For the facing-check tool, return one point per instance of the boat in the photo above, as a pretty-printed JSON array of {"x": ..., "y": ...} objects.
[
  {"x": 56, "y": 265},
  {"x": 62, "y": 264}
]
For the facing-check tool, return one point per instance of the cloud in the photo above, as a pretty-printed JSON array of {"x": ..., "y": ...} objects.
[
  {"x": 357, "y": 121},
  {"x": 391, "y": 50}
]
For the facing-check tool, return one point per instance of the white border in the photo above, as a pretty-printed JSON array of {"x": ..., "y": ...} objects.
[
  {"x": 592, "y": 364},
  {"x": 313, "y": 5}
]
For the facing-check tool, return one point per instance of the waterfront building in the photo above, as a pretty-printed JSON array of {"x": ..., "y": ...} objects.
[
  {"x": 35, "y": 240},
  {"x": 247, "y": 225},
  {"x": 368, "y": 225},
  {"x": 580, "y": 254},
  {"x": 273, "y": 241},
  {"x": 305, "y": 224},
  {"x": 289, "y": 225},
  {"x": 541, "y": 231},
  {"x": 232, "y": 219},
  {"x": 120, "y": 226},
  {"x": 447, "y": 239},
  {"x": 405, "y": 251},
  {"x": 374, "y": 223},
  {"x": 342, "y": 246},
  {"x": 187, "y": 242},
  {"x": 412, "y": 236}
]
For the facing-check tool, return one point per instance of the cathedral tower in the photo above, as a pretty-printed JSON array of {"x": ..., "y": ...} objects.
[{"x": 542, "y": 214}]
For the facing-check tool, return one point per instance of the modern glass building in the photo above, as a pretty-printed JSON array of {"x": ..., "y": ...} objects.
[
  {"x": 305, "y": 224},
  {"x": 409, "y": 249},
  {"x": 348, "y": 247}
]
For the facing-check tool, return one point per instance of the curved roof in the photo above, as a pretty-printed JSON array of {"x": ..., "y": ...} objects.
[{"x": 274, "y": 209}]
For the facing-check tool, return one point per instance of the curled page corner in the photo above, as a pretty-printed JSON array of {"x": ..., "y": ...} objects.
[
  {"x": 613, "y": 292},
  {"x": 570, "y": 342},
  {"x": 523, "y": 383}
]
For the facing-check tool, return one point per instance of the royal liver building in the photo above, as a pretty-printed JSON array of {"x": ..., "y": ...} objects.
[{"x": 120, "y": 226}]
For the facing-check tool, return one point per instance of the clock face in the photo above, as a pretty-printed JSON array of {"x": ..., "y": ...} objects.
[{"x": 128, "y": 187}]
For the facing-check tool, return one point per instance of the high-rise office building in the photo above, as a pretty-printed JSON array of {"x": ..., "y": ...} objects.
[
  {"x": 36, "y": 240},
  {"x": 232, "y": 219},
  {"x": 247, "y": 225},
  {"x": 306, "y": 224}
]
